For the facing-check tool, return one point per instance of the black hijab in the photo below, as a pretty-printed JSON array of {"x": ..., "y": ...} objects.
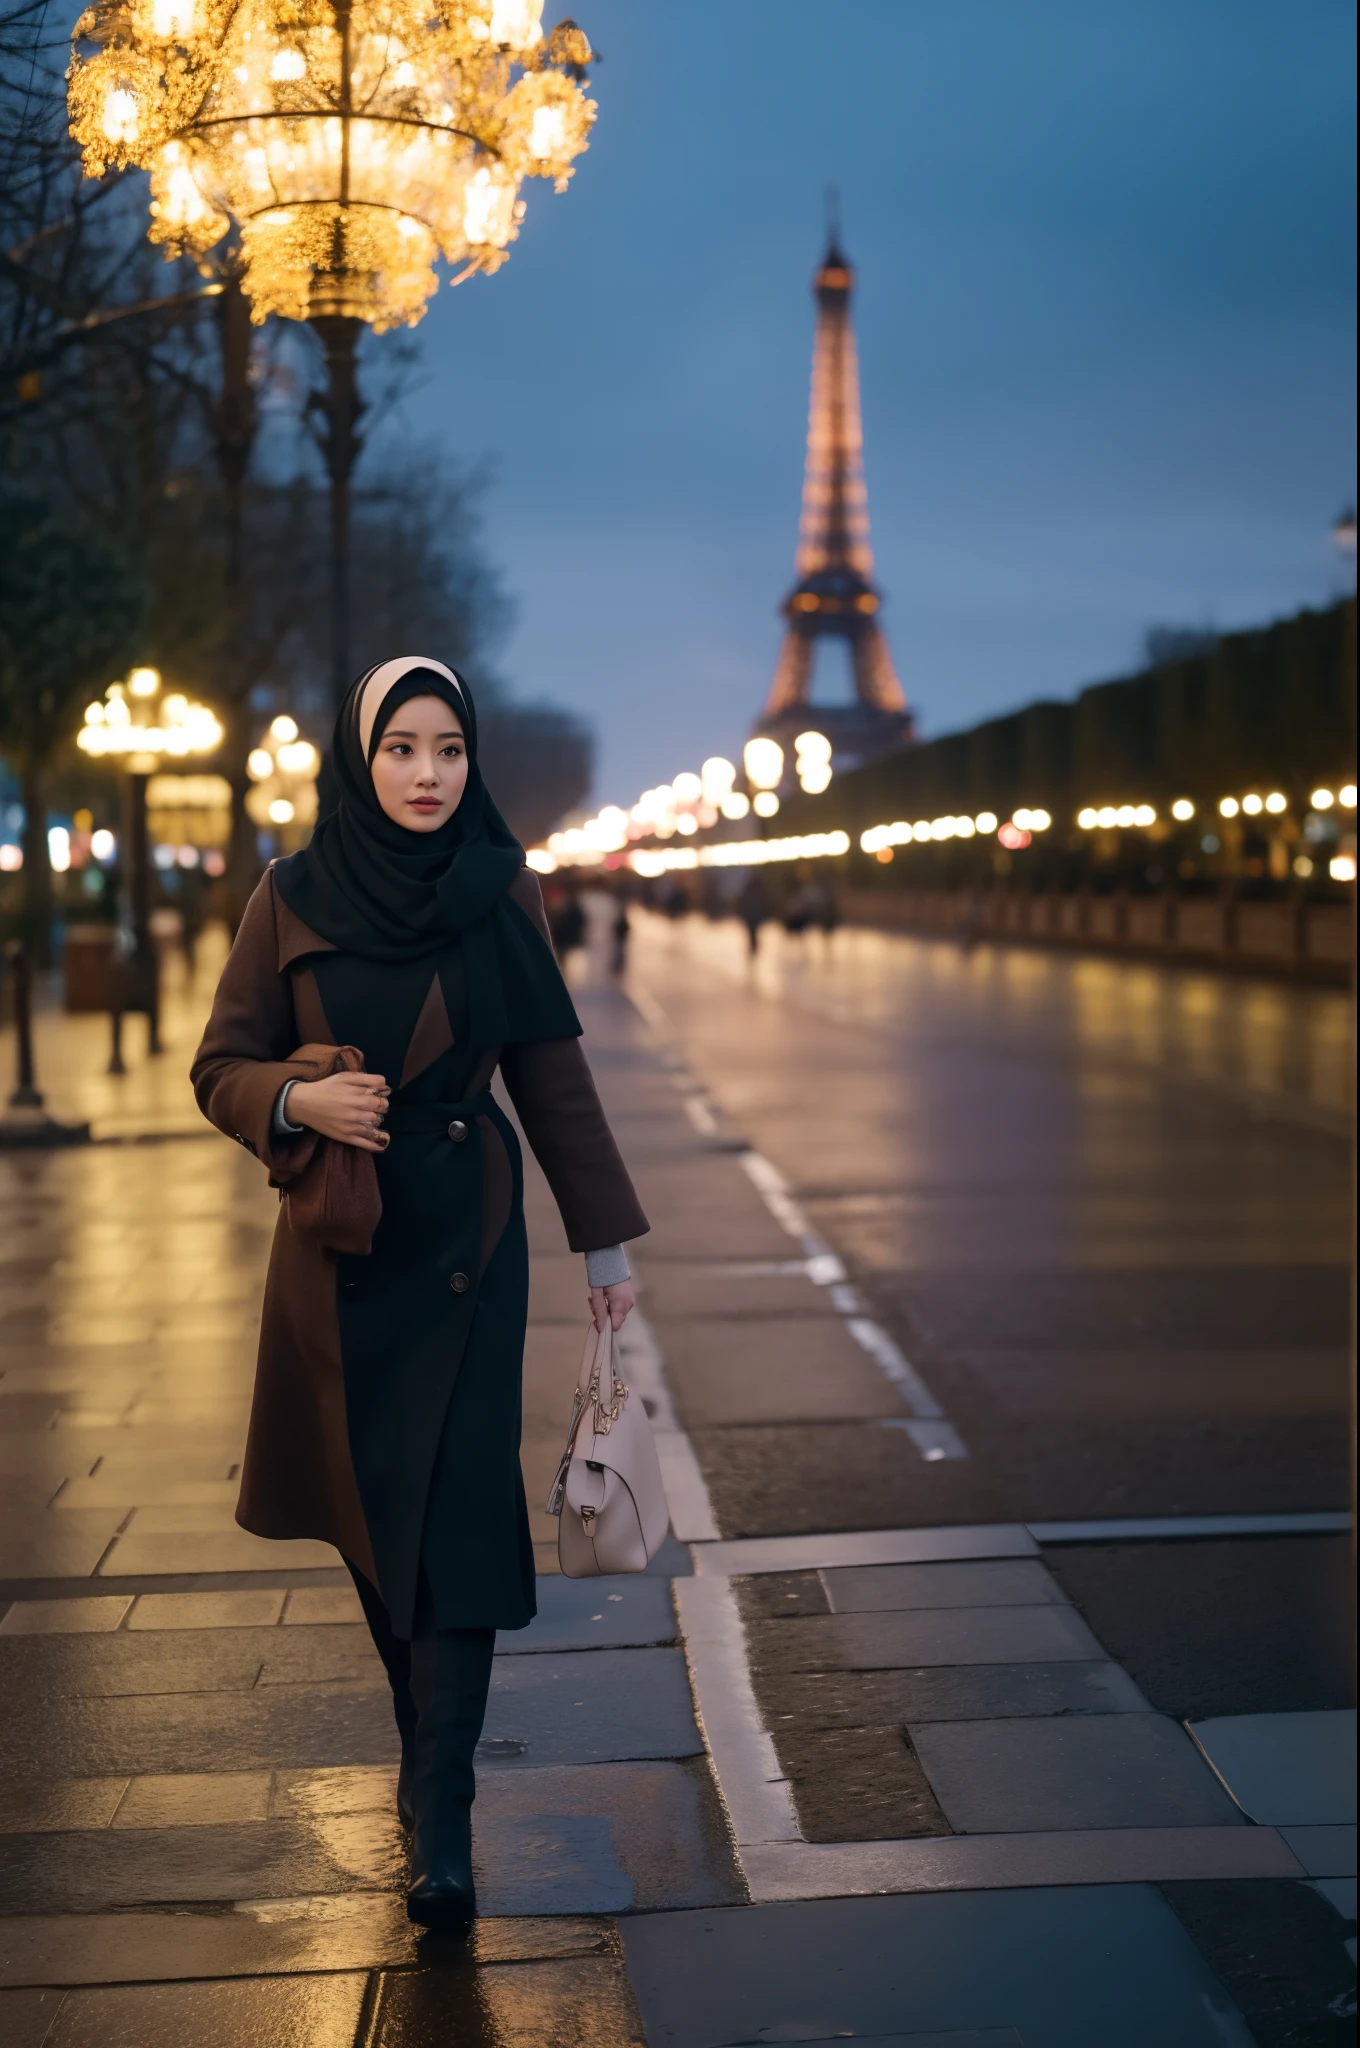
[{"x": 384, "y": 893}]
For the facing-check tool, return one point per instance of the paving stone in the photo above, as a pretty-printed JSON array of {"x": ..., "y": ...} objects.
[
  {"x": 320, "y": 2011},
  {"x": 1291, "y": 1769},
  {"x": 195, "y": 1799},
  {"x": 728, "y": 1290},
  {"x": 266, "y": 1937},
  {"x": 234, "y": 1550},
  {"x": 1276, "y": 1948},
  {"x": 278, "y": 1726},
  {"x": 27, "y": 2016},
  {"x": 55, "y": 1805},
  {"x": 1107, "y": 1964},
  {"x": 281, "y": 1859},
  {"x": 207, "y": 1610},
  {"x": 129, "y": 1489},
  {"x": 1324, "y": 1852},
  {"x": 786, "y": 1369},
  {"x": 961, "y": 1692},
  {"x": 98, "y": 1615},
  {"x": 577, "y": 2004},
  {"x": 964, "y": 1635},
  {"x": 35, "y": 1669},
  {"x": 585, "y": 1614},
  {"x": 998, "y": 1582},
  {"x": 54, "y": 1546},
  {"x": 310, "y": 1605},
  {"x": 859, "y": 1784},
  {"x": 548, "y": 1840},
  {"x": 1105, "y": 1771},
  {"x": 593, "y": 1706},
  {"x": 312, "y": 1794}
]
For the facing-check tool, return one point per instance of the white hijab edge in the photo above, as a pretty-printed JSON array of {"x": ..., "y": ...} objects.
[{"x": 380, "y": 680}]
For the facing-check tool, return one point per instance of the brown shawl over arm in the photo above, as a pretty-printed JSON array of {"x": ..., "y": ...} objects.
[
  {"x": 243, "y": 1060},
  {"x": 555, "y": 1099}
]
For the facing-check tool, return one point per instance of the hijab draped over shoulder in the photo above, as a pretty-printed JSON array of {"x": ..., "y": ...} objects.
[{"x": 377, "y": 890}]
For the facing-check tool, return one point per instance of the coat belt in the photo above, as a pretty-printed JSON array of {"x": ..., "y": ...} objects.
[{"x": 436, "y": 1116}]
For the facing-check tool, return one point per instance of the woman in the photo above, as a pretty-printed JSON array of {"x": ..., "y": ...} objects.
[{"x": 386, "y": 1416}]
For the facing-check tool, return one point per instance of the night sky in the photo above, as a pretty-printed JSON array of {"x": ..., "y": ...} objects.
[{"x": 1105, "y": 317}]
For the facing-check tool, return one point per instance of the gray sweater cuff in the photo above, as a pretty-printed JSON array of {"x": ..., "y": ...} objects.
[
  {"x": 282, "y": 1127},
  {"x": 607, "y": 1268}
]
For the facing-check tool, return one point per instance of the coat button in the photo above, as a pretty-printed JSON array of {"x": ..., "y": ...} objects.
[
  {"x": 459, "y": 1282},
  {"x": 457, "y": 1131}
]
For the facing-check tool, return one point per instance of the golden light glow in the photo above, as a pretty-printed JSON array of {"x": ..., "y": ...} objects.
[
  {"x": 1253, "y": 806},
  {"x": 716, "y": 777},
  {"x": 1229, "y": 807},
  {"x": 1341, "y": 867},
  {"x": 259, "y": 764},
  {"x": 280, "y": 811},
  {"x": 765, "y": 803},
  {"x": 354, "y": 145},
  {"x": 735, "y": 804},
  {"x": 1322, "y": 799},
  {"x": 173, "y": 728},
  {"x": 763, "y": 760},
  {"x": 741, "y": 853},
  {"x": 1182, "y": 809},
  {"x": 1348, "y": 796},
  {"x": 283, "y": 728},
  {"x": 541, "y": 861}
]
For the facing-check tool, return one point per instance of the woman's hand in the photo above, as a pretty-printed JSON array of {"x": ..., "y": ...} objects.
[
  {"x": 611, "y": 1304},
  {"x": 349, "y": 1107}
]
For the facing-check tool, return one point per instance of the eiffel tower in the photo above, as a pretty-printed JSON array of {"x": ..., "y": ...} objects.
[{"x": 835, "y": 596}]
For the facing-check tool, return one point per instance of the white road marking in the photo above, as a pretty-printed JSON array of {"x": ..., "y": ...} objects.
[{"x": 938, "y": 1440}]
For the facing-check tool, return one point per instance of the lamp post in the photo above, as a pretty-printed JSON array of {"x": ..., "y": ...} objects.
[
  {"x": 351, "y": 146},
  {"x": 143, "y": 730}
]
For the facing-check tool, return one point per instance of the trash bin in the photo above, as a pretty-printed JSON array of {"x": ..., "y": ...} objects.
[{"x": 89, "y": 966}]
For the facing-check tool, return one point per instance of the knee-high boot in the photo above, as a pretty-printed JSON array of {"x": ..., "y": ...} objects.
[
  {"x": 450, "y": 1679},
  {"x": 396, "y": 1657}
]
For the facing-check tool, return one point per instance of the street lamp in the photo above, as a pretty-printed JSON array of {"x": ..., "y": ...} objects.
[
  {"x": 143, "y": 730},
  {"x": 351, "y": 143}
]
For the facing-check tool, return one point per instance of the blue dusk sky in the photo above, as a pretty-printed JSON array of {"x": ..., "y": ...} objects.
[{"x": 1105, "y": 320}]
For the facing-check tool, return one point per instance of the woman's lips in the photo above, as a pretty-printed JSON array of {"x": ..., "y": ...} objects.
[{"x": 423, "y": 803}]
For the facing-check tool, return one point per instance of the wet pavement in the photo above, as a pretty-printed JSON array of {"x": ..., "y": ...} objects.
[{"x": 982, "y": 1290}]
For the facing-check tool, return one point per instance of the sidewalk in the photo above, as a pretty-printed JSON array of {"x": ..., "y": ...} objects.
[{"x": 925, "y": 1805}]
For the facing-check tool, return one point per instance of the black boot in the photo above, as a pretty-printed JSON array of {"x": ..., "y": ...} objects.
[
  {"x": 450, "y": 1678},
  {"x": 396, "y": 1657}
]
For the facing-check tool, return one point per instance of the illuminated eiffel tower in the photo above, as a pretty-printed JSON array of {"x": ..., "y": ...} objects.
[{"x": 835, "y": 596}]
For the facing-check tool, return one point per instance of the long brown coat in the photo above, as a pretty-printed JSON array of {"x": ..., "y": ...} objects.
[{"x": 386, "y": 1408}]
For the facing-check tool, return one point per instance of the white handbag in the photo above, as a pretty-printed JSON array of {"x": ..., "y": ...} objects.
[{"x": 608, "y": 1495}]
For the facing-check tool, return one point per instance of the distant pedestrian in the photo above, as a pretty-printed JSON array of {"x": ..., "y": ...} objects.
[
  {"x": 568, "y": 925},
  {"x": 619, "y": 930},
  {"x": 753, "y": 908},
  {"x": 408, "y": 941}
]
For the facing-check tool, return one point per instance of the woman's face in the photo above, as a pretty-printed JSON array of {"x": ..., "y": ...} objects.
[{"x": 421, "y": 768}]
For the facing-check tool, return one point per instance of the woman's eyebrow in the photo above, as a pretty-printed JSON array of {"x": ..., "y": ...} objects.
[{"x": 398, "y": 733}]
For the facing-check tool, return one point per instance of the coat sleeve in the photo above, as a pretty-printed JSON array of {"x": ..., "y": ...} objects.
[
  {"x": 555, "y": 1099},
  {"x": 243, "y": 1061},
  {"x": 554, "y": 1096}
]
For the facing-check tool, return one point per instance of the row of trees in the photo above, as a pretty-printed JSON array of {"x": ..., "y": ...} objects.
[
  {"x": 162, "y": 499},
  {"x": 1274, "y": 708}
]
